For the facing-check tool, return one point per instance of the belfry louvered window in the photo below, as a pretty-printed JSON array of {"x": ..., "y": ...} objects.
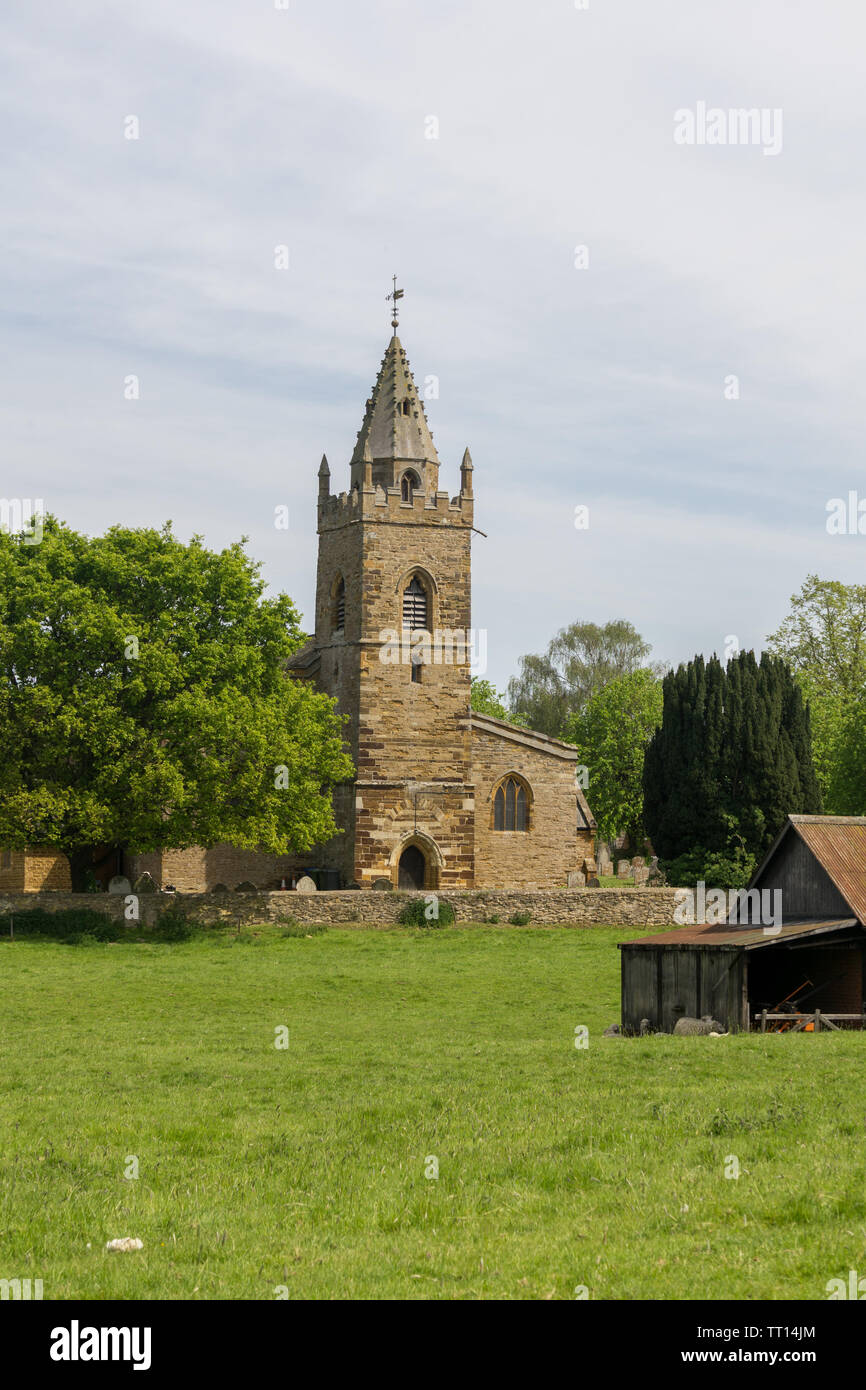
[
  {"x": 415, "y": 605},
  {"x": 510, "y": 806},
  {"x": 340, "y": 606}
]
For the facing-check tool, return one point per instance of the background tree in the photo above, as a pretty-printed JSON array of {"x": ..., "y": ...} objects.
[
  {"x": 612, "y": 733},
  {"x": 731, "y": 758},
  {"x": 486, "y": 699},
  {"x": 823, "y": 640},
  {"x": 144, "y": 701},
  {"x": 579, "y": 662}
]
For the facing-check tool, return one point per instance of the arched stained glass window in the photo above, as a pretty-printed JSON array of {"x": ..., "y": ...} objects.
[{"x": 511, "y": 806}]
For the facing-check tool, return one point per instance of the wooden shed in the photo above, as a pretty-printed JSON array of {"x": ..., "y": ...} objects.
[{"x": 811, "y": 963}]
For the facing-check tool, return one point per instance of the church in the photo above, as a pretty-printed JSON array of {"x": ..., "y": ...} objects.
[{"x": 443, "y": 797}]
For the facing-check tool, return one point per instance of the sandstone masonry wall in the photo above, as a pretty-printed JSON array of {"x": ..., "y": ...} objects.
[
  {"x": 188, "y": 870},
  {"x": 552, "y": 845},
  {"x": 33, "y": 870},
  {"x": 572, "y": 906}
]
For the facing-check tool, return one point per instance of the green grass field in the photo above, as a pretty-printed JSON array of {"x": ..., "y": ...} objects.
[{"x": 304, "y": 1167}]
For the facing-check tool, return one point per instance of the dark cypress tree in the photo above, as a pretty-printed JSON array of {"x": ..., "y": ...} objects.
[
  {"x": 796, "y": 718},
  {"x": 731, "y": 759}
]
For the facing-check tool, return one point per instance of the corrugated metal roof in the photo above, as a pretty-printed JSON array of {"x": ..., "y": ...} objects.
[
  {"x": 839, "y": 845},
  {"x": 709, "y": 935}
]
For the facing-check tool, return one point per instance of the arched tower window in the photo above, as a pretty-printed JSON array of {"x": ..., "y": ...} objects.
[
  {"x": 415, "y": 605},
  {"x": 406, "y": 405},
  {"x": 511, "y": 805},
  {"x": 338, "y": 616},
  {"x": 409, "y": 484}
]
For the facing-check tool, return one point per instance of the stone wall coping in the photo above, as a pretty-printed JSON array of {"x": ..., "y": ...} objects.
[
  {"x": 517, "y": 733},
  {"x": 347, "y": 907},
  {"x": 289, "y": 895}
]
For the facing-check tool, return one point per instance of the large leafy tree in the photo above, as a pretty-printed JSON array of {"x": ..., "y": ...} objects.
[
  {"x": 579, "y": 662},
  {"x": 612, "y": 733},
  {"x": 823, "y": 640},
  {"x": 731, "y": 758},
  {"x": 145, "y": 703}
]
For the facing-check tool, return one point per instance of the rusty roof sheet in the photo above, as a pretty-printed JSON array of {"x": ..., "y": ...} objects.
[
  {"x": 750, "y": 938},
  {"x": 839, "y": 845}
]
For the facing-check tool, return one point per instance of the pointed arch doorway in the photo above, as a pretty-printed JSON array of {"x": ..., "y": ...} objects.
[
  {"x": 412, "y": 868},
  {"x": 416, "y": 862}
]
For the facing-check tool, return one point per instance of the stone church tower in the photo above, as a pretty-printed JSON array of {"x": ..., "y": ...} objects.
[
  {"x": 443, "y": 797},
  {"x": 394, "y": 564}
]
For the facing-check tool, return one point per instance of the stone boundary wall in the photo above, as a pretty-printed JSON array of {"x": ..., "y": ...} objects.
[{"x": 568, "y": 906}]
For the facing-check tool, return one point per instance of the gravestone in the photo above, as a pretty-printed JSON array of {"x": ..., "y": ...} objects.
[
  {"x": 305, "y": 885},
  {"x": 641, "y": 875},
  {"x": 382, "y": 885},
  {"x": 246, "y": 887},
  {"x": 575, "y": 879},
  {"x": 144, "y": 884},
  {"x": 623, "y": 869},
  {"x": 120, "y": 884}
]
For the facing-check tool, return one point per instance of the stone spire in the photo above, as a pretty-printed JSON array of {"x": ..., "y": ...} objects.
[
  {"x": 466, "y": 473},
  {"x": 394, "y": 432},
  {"x": 324, "y": 477}
]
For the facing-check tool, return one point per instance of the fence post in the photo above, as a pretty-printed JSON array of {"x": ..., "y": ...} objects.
[
  {"x": 817, "y": 1020},
  {"x": 763, "y": 1020}
]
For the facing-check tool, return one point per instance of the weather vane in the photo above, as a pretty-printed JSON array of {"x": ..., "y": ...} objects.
[{"x": 395, "y": 296}]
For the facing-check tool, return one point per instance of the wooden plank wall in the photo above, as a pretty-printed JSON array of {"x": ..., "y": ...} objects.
[{"x": 807, "y": 889}]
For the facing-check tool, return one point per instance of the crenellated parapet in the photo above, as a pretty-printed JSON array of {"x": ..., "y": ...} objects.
[{"x": 376, "y": 503}]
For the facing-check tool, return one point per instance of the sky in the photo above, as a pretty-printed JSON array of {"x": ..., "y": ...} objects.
[{"x": 692, "y": 376}]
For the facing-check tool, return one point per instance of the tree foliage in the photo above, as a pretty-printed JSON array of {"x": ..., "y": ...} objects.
[
  {"x": 144, "y": 700},
  {"x": 579, "y": 662},
  {"x": 612, "y": 733},
  {"x": 823, "y": 640},
  {"x": 731, "y": 759},
  {"x": 486, "y": 699}
]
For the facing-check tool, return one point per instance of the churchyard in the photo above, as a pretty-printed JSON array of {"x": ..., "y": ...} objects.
[{"x": 400, "y": 1113}]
